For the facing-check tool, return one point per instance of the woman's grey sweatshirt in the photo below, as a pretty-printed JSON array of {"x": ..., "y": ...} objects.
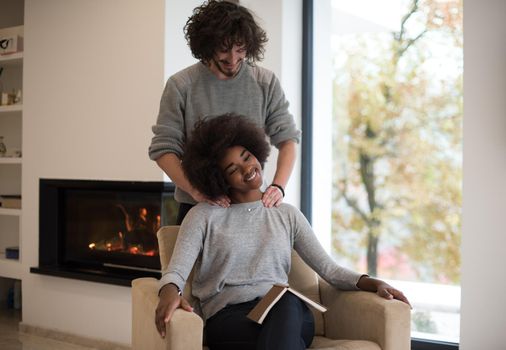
[{"x": 241, "y": 251}]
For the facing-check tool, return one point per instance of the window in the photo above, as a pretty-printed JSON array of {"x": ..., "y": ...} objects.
[{"x": 387, "y": 148}]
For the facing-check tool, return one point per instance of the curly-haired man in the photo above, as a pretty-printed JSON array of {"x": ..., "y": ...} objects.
[{"x": 226, "y": 39}]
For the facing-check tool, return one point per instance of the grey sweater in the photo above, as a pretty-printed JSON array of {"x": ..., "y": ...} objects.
[
  {"x": 196, "y": 92},
  {"x": 241, "y": 251}
]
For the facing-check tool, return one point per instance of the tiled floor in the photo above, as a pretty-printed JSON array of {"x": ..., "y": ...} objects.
[{"x": 11, "y": 339}]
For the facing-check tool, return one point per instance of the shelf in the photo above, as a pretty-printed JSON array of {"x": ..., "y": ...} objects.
[
  {"x": 12, "y": 60},
  {"x": 11, "y": 108},
  {"x": 9, "y": 211},
  {"x": 10, "y": 268},
  {"x": 11, "y": 160}
]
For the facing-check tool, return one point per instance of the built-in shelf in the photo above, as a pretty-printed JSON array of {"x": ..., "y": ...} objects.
[
  {"x": 11, "y": 160},
  {"x": 11, "y": 108},
  {"x": 11, "y": 268},
  {"x": 9, "y": 211},
  {"x": 11, "y": 128},
  {"x": 15, "y": 59}
]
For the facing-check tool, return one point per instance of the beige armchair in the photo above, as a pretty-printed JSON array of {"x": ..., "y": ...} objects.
[{"x": 354, "y": 320}]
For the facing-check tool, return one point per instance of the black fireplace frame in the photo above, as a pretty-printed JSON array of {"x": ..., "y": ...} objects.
[{"x": 51, "y": 256}]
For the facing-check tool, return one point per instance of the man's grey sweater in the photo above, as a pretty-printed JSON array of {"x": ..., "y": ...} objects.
[
  {"x": 241, "y": 251},
  {"x": 196, "y": 92}
]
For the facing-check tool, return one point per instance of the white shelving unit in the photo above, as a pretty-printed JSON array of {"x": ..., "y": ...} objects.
[
  {"x": 14, "y": 59},
  {"x": 11, "y": 167},
  {"x": 11, "y": 108},
  {"x": 10, "y": 212},
  {"x": 10, "y": 160}
]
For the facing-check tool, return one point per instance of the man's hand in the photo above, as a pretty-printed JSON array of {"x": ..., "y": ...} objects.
[
  {"x": 272, "y": 197},
  {"x": 222, "y": 201},
  {"x": 170, "y": 300}
]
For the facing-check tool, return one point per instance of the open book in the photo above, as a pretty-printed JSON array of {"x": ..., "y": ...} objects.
[{"x": 263, "y": 307}]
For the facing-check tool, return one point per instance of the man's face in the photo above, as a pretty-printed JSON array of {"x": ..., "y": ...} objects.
[{"x": 227, "y": 62}]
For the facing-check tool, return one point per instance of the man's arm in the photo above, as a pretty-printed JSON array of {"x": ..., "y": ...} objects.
[
  {"x": 171, "y": 165},
  {"x": 286, "y": 159}
]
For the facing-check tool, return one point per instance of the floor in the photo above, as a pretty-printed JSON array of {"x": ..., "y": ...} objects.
[{"x": 11, "y": 339}]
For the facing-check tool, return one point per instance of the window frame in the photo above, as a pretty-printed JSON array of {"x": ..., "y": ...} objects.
[{"x": 307, "y": 145}]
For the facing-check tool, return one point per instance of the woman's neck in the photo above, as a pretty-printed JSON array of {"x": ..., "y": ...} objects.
[{"x": 245, "y": 197}]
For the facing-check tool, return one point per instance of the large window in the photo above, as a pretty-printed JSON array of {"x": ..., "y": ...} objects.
[{"x": 387, "y": 147}]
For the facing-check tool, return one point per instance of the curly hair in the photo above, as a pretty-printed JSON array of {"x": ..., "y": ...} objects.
[
  {"x": 223, "y": 24},
  {"x": 207, "y": 145}
]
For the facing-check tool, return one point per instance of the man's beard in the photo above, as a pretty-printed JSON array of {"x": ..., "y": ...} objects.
[{"x": 229, "y": 74}]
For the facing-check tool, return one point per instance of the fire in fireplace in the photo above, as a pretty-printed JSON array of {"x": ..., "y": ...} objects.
[{"x": 103, "y": 231}]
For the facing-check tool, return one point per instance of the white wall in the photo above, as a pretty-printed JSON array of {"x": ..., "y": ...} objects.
[
  {"x": 483, "y": 316},
  {"x": 93, "y": 75},
  {"x": 282, "y": 20}
]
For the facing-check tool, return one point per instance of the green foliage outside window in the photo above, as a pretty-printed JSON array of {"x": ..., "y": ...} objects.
[{"x": 397, "y": 182}]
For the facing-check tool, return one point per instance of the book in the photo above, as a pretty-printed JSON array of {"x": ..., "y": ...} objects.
[
  {"x": 10, "y": 201},
  {"x": 260, "y": 311},
  {"x": 12, "y": 253}
]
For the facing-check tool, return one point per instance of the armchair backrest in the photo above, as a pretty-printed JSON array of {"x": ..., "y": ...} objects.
[
  {"x": 301, "y": 276},
  {"x": 167, "y": 236}
]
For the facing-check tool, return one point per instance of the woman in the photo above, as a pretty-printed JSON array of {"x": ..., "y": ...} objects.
[{"x": 240, "y": 252}]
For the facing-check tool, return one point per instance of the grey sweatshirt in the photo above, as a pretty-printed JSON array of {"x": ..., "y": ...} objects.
[
  {"x": 196, "y": 92},
  {"x": 241, "y": 251}
]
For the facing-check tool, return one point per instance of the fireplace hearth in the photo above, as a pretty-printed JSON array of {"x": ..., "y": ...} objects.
[{"x": 102, "y": 231}]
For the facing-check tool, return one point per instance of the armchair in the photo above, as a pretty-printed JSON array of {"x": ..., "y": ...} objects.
[{"x": 354, "y": 320}]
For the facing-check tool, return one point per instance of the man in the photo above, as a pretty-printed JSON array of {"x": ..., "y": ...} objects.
[{"x": 226, "y": 39}]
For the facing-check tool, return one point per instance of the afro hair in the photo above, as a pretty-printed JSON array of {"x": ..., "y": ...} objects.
[{"x": 207, "y": 145}]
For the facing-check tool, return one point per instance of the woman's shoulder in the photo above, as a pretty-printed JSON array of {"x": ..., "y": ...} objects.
[
  {"x": 289, "y": 209},
  {"x": 199, "y": 216},
  {"x": 292, "y": 212},
  {"x": 203, "y": 209}
]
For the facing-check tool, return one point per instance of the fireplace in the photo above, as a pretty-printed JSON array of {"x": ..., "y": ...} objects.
[{"x": 102, "y": 231}]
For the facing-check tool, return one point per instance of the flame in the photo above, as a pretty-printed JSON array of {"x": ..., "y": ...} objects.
[{"x": 92, "y": 245}]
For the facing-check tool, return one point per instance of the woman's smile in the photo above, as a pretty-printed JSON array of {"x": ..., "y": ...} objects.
[{"x": 249, "y": 177}]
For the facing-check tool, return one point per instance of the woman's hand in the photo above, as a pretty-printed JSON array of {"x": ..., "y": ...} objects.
[
  {"x": 170, "y": 300},
  {"x": 388, "y": 292},
  {"x": 381, "y": 288},
  {"x": 273, "y": 196}
]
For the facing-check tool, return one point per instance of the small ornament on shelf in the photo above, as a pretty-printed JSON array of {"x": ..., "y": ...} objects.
[{"x": 3, "y": 149}]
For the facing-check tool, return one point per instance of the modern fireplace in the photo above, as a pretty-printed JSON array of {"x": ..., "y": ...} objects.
[{"x": 102, "y": 231}]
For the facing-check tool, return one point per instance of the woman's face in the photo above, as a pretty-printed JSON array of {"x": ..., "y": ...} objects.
[{"x": 241, "y": 169}]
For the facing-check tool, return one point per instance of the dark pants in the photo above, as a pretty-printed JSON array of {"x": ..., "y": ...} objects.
[
  {"x": 184, "y": 208},
  {"x": 288, "y": 326}
]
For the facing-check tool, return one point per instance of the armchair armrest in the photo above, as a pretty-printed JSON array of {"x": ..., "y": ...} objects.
[
  {"x": 184, "y": 331},
  {"x": 366, "y": 316}
]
